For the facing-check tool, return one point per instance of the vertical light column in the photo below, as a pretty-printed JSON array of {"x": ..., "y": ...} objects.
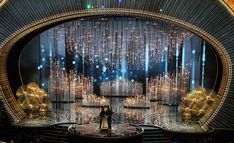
[
  {"x": 166, "y": 63},
  {"x": 177, "y": 63},
  {"x": 123, "y": 51},
  {"x": 146, "y": 45},
  {"x": 203, "y": 62},
  {"x": 83, "y": 53},
  {"x": 146, "y": 59},
  {"x": 193, "y": 70},
  {"x": 183, "y": 59}
]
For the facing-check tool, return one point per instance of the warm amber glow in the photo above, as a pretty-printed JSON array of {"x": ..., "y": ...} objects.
[
  {"x": 93, "y": 99},
  {"x": 32, "y": 98},
  {"x": 196, "y": 103},
  {"x": 230, "y": 3},
  {"x": 2, "y": 2}
]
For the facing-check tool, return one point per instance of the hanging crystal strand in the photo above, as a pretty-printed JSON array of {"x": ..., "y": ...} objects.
[
  {"x": 158, "y": 90},
  {"x": 50, "y": 82},
  {"x": 177, "y": 70},
  {"x": 182, "y": 80},
  {"x": 73, "y": 85},
  {"x": 160, "y": 86},
  {"x": 64, "y": 85}
]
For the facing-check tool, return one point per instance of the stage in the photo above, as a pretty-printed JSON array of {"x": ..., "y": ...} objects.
[
  {"x": 149, "y": 71},
  {"x": 159, "y": 115},
  {"x": 119, "y": 133}
]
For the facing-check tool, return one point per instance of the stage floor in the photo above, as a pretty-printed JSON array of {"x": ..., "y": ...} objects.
[
  {"x": 92, "y": 130},
  {"x": 164, "y": 116}
]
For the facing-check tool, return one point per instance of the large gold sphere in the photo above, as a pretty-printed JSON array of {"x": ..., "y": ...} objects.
[
  {"x": 196, "y": 103},
  {"x": 32, "y": 98}
]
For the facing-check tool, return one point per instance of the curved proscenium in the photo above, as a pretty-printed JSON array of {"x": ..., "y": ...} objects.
[{"x": 213, "y": 32}]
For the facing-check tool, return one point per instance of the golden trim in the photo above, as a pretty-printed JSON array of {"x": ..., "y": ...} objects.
[
  {"x": 227, "y": 6},
  {"x": 225, "y": 59},
  {"x": 2, "y": 2}
]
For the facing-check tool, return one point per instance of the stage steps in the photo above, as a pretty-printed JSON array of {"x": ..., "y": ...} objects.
[
  {"x": 57, "y": 134},
  {"x": 154, "y": 134}
]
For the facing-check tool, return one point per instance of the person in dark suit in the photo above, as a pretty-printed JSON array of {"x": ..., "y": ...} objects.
[
  {"x": 109, "y": 113},
  {"x": 102, "y": 115}
]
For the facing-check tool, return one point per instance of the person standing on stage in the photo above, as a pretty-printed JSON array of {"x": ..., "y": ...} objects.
[
  {"x": 109, "y": 117},
  {"x": 102, "y": 115}
]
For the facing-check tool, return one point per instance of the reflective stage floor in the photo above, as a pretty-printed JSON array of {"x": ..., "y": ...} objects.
[{"x": 163, "y": 116}]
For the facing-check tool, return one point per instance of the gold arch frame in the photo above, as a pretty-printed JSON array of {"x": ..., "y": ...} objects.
[
  {"x": 229, "y": 5},
  {"x": 17, "y": 113},
  {"x": 2, "y": 2}
]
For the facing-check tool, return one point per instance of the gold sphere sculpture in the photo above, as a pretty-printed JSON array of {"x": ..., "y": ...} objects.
[
  {"x": 32, "y": 98},
  {"x": 196, "y": 103}
]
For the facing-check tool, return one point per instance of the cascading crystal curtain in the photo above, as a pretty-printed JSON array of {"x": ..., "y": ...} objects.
[{"x": 98, "y": 50}]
